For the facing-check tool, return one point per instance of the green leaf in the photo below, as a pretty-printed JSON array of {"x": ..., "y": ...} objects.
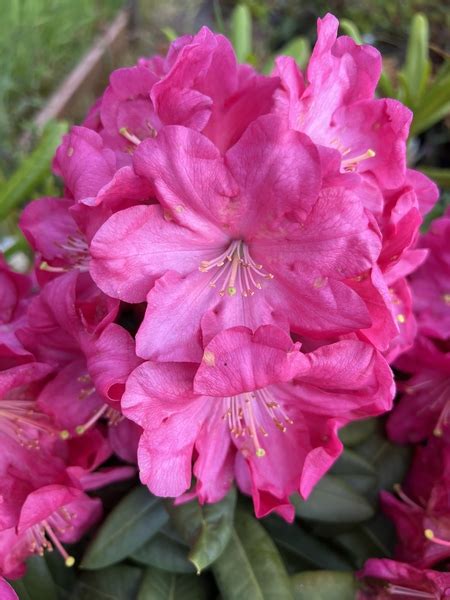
[
  {"x": 120, "y": 582},
  {"x": 207, "y": 529},
  {"x": 298, "y": 48},
  {"x": 241, "y": 31},
  {"x": 133, "y": 521},
  {"x": 349, "y": 28},
  {"x": 251, "y": 567},
  {"x": 37, "y": 583},
  {"x": 356, "y": 432},
  {"x": 333, "y": 501},
  {"x": 385, "y": 86},
  {"x": 416, "y": 67},
  {"x": 389, "y": 460},
  {"x": 165, "y": 551},
  {"x": 161, "y": 585},
  {"x": 356, "y": 472},
  {"x": 20, "y": 186},
  {"x": 435, "y": 105},
  {"x": 170, "y": 33},
  {"x": 439, "y": 176},
  {"x": 324, "y": 585},
  {"x": 296, "y": 541}
]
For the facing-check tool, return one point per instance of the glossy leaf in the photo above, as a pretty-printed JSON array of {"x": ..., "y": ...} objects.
[
  {"x": 241, "y": 32},
  {"x": 120, "y": 582},
  {"x": 206, "y": 528},
  {"x": 356, "y": 472},
  {"x": 324, "y": 585},
  {"x": 389, "y": 460},
  {"x": 161, "y": 585},
  {"x": 37, "y": 583},
  {"x": 333, "y": 501},
  {"x": 250, "y": 566},
  {"x": 132, "y": 522},
  {"x": 165, "y": 551},
  {"x": 356, "y": 432},
  {"x": 315, "y": 553}
]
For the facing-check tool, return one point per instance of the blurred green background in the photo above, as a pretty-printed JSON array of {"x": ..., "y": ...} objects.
[{"x": 41, "y": 41}]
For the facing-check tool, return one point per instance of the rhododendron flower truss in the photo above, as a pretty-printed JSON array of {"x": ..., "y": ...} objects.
[
  {"x": 261, "y": 236},
  {"x": 256, "y": 409},
  {"x": 384, "y": 579}
]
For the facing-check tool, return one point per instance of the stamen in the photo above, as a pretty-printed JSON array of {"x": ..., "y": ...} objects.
[
  {"x": 406, "y": 499},
  {"x": 20, "y": 421},
  {"x": 129, "y": 136},
  {"x": 236, "y": 271},
  {"x": 114, "y": 417},
  {"x": 429, "y": 534},
  {"x": 350, "y": 164},
  {"x": 43, "y": 536},
  {"x": 241, "y": 414},
  {"x": 400, "y": 590}
]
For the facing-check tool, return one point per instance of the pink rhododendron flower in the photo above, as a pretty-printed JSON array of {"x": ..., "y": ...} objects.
[
  {"x": 424, "y": 407},
  {"x": 384, "y": 579},
  {"x": 256, "y": 409},
  {"x": 6, "y": 591},
  {"x": 431, "y": 283},
  {"x": 199, "y": 85},
  {"x": 257, "y": 237},
  {"x": 421, "y": 512}
]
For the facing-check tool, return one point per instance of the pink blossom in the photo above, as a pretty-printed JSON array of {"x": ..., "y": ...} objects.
[
  {"x": 6, "y": 591},
  {"x": 256, "y": 409},
  {"x": 337, "y": 108},
  {"x": 384, "y": 579},
  {"x": 198, "y": 85},
  {"x": 424, "y": 406},
  {"x": 253, "y": 238},
  {"x": 421, "y": 510},
  {"x": 431, "y": 283}
]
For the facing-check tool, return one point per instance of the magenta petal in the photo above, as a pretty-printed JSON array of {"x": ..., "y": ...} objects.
[
  {"x": 141, "y": 242},
  {"x": 171, "y": 327},
  {"x": 238, "y": 361}
]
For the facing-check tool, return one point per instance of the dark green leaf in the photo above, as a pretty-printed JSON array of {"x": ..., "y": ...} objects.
[
  {"x": 333, "y": 501},
  {"x": 119, "y": 582},
  {"x": 296, "y": 541},
  {"x": 324, "y": 585},
  {"x": 356, "y": 472},
  {"x": 165, "y": 551},
  {"x": 389, "y": 460},
  {"x": 132, "y": 522},
  {"x": 251, "y": 567},
  {"x": 356, "y": 432},
  {"x": 206, "y": 528},
  {"x": 161, "y": 585},
  {"x": 241, "y": 31},
  {"x": 37, "y": 583}
]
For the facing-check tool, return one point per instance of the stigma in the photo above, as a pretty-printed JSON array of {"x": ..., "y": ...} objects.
[
  {"x": 244, "y": 414},
  {"x": 236, "y": 271}
]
